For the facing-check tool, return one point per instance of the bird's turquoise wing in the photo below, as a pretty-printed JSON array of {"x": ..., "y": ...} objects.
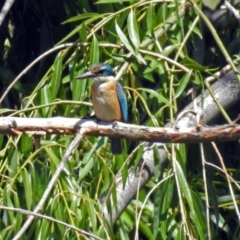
[{"x": 122, "y": 101}]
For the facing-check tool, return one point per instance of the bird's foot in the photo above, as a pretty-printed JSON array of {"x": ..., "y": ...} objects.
[
  {"x": 89, "y": 117},
  {"x": 115, "y": 123}
]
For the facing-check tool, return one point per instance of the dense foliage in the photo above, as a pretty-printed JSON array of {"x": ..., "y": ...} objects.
[{"x": 161, "y": 49}]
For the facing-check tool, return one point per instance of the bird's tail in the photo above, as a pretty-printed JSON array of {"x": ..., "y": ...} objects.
[{"x": 116, "y": 146}]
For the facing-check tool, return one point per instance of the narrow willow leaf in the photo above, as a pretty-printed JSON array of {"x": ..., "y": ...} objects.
[
  {"x": 46, "y": 98},
  {"x": 83, "y": 33},
  {"x": 171, "y": 234},
  {"x": 157, "y": 163},
  {"x": 133, "y": 30},
  {"x": 137, "y": 158},
  {"x": 169, "y": 49},
  {"x": 27, "y": 188},
  {"x": 53, "y": 158},
  {"x": 1, "y": 142},
  {"x": 160, "y": 98},
  {"x": 165, "y": 219},
  {"x": 8, "y": 201},
  {"x": 87, "y": 168},
  {"x": 19, "y": 217},
  {"x": 26, "y": 144},
  {"x": 6, "y": 110},
  {"x": 190, "y": 63},
  {"x": 56, "y": 76},
  {"x": 124, "y": 39},
  {"x": 198, "y": 78},
  {"x": 200, "y": 210},
  {"x": 124, "y": 173},
  {"x": 146, "y": 229},
  {"x": 183, "y": 184},
  {"x": 150, "y": 18},
  {"x": 92, "y": 215},
  {"x": 83, "y": 16},
  {"x": 183, "y": 84},
  {"x": 44, "y": 229},
  {"x": 57, "y": 209},
  {"x": 94, "y": 51},
  {"x": 79, "y": 89},
  {"x": 187, "y": 194}
]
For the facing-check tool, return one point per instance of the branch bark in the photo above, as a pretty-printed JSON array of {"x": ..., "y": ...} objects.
[{"x": 60, "y": 125}]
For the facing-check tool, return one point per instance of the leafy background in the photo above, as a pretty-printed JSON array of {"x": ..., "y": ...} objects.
[{"x": 157, "y": 74}]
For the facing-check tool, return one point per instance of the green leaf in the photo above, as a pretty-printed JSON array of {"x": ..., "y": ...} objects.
[
  {"x": 124, "y": 39},
  {"x": 83, "y": 16},
  {"x": 46, "y": 98},
  {"x": 133, "y": 30},
  {"x": 52, "y": 157},
  {"x": 187, "y": 194},
  {"x": 27, "y": 188},
  {"x": 6, "y": 110},
  {"x": 150, "y": 18},
  {"x": 191, "y": 64},
  {"x": 56, "y": 76},
  {"x": 160, "y": 98},
  {"x": 83, "y": 33},
  {"x": 183, "y": 84},
  {"x": 26, "y": 144},
  {"x": 94, "y": 51},
  {"x": 79, "y": 88}
]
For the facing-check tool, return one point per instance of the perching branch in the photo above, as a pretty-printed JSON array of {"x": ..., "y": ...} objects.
[{"x": 60, "y": 125}]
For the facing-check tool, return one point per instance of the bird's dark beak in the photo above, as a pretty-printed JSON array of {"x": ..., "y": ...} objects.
[{"x": 86, "y": 75}]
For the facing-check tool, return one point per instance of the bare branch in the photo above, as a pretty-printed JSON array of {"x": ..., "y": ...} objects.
[
  {"x": 6, "y": 8},
  {"x": 233, "y": 10},
  {"x": 60, "y": 125}
]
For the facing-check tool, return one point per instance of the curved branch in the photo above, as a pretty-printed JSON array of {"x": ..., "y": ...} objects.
[{"x": 6, "y": 8}]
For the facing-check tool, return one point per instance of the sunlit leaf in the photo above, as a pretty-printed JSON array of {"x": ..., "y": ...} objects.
[
  {"x": 94, "y": 51},
  {"x": 133, "y": 29},
  {"x": 124, "y": 39},
  {"x": 56, "y": 76},
  {"x": 183, "y": 83}
]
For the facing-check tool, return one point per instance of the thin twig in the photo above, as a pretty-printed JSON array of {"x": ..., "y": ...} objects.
[
  {"x": 162, "y": 57},
  {"x": 228, "y": 179},
  {"x": 233, "y": 10},
  {"x": 6, "y": 8},
  {"x": 206, "y": 190},
  {"x": 221, "y": 170},
  {"x": 74, "y": 144},
  {"x": 26, "y": 212}
]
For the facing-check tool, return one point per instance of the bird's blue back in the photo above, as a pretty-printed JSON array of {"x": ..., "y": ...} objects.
[{"x": 122, "y": 101}]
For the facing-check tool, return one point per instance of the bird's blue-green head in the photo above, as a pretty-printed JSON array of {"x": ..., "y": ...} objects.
[{"x": 100, "y": 72}]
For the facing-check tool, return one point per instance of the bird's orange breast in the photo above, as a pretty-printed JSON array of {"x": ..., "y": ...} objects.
[{"x": 105, "y": 101}]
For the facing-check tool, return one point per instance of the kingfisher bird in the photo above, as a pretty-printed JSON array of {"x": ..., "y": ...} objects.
[{"x": 108, "y": 98}]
